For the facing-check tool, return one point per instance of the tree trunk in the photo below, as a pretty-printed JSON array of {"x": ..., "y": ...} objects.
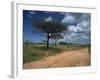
[
  {"x": 47, "y": 40},
  {"x": 55, "y": 42}
]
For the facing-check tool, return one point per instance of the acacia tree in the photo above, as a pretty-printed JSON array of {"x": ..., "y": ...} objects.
[
  {"x": 55, "y": 37},
  {"x": 49, "y": 27}
]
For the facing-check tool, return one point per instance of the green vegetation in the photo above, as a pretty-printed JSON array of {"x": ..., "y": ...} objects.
[{"x": 33, "y": 52}]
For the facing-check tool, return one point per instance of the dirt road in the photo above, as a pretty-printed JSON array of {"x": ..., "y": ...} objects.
[{"x": 66, "y": 59}]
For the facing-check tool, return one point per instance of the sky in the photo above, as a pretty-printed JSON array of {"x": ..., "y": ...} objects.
[{"x": 78, "y": 24}]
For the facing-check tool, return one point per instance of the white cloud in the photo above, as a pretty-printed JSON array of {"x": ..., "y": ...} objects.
[
  {"x": 32, "y": 12},
  {"x": 48, "y": 18},
  {"x": 75, "y": 38},
  {"x": 85, "y": 37},
  {"x": 78, "y": 28},
  {"x": 68, "y": 18},
  {"x": 83, "y": 25},
  {"x": 72, "y": 28},
  {"x": 85, "y": 16},
  {"x": 63, "y": 13},
  {"x": 85, "y": 22},
  {"x": 29, "y": 16}
]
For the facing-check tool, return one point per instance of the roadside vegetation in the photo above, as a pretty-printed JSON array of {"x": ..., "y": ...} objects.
[{"x": 33, "y": 52}]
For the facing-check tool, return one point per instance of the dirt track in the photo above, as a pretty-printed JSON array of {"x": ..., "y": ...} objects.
[{"x": 66, "y": 59}]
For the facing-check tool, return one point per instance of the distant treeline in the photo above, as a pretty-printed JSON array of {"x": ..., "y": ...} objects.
[
  {"x": 72, "y": 43},
  {"x": 60, "y": 43}
]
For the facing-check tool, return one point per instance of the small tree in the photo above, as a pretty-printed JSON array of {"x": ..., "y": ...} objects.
[
  {"x": 56, "y": 36},
  {"x": 49, "y": 27}
]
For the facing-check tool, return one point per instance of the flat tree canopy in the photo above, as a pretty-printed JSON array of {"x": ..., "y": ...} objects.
[{"x": 49, "y": 27}]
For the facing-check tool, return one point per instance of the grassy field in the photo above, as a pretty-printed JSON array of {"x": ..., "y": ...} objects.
[{"x": 33, "y": 52}]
